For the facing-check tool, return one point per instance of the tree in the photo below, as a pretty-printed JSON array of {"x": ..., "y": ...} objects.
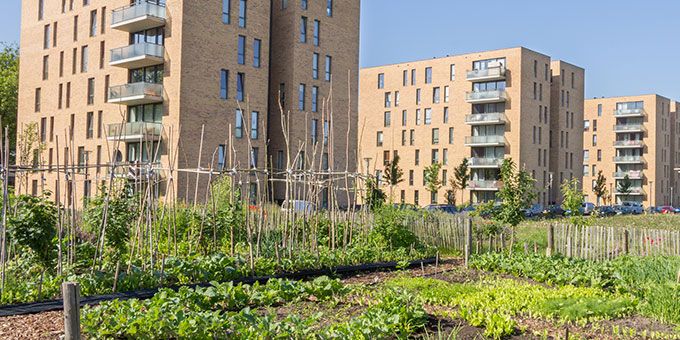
[
  {"x": 625, "y": 186},
  {"x": 432, "y": 180},
  {"x": 600, "y": 188},
  {"x": 517, "y": 193},
  {"x": 393, "y": 174},
  {"x": 9, "y": 89},
  {"x": 461, "y": 175},
  {"x": 374, "y": 197},
  {"x": 29, "y": 149},
  {"x": 573, "y": 201}
]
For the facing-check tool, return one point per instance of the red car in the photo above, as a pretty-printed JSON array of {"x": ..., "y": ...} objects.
[{"x": 666, "y": 209}]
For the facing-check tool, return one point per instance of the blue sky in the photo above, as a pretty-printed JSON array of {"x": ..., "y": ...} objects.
[{"x": 627, "y": 46}]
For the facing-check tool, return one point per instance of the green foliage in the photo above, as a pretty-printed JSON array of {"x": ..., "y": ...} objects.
[
  {"x": 432, "y": 177},
  {"x": 573, "y": 201},
  {"x": 461, "y": 176},
  {"x": 624, "y": 186},
  {"x": 9, "y": 90},
  {"x": 121, "y": 216},
  {"x": 516, "y": 194},
  {"x": 34, "y": 226},
  {"x": 600, "y": 188},
  {"x": 390, "y": 229},
  {"x": 374, "y": 197},
  {"x": 393, "y": 173}
]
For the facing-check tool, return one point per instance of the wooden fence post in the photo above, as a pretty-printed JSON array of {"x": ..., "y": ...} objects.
[
  {"x": 626, "y": 242},
  {"x": 468, "y": 241},
  {"x": 71, "y": 296},
  {"x": 551, "y": 241}
]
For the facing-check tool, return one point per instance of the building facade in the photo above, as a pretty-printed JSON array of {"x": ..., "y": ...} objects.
[
  {"x": 633, "y": 142},
  {"x": 166, "y": 91},
  {"x": 483, "y": 107}
]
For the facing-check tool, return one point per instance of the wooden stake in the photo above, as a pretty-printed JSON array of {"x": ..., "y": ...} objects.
[{"x": 71, "y": 294}]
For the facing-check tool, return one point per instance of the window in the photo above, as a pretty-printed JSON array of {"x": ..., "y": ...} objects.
[
  {"x": 419, "y": 118},
  {"x": 221, "y": 157},
  {"x": 411, "y": 178},
  {"x": 84, "y": 59},
  {"x": 388, "y": 99},
  {"x": 75, "y": 28},
  {"x": 413, "y": 77},
  {"x": 226, "y": 11},
  {"x": 68, "y": 95},
  {"x": 241, "y": 50},
  {"x": 417, "y": 158},
  {"x": 242, "y": 13},
  {"x": 317, "y": 32},
  {"x": 428, "y": 75},
  {"x": 594, "y": 140},
  {"x": 254, "y": 155},
  {"x": 404, "y": 117},
  {"x": 282, "y": 95},
  {"x": 379, "y": 138},
  {"x": 303, "y": 4},
  {"x": 428, "y": 116},
  {"x": 254, "y": 125},
  {"x": 90, "y": 91},
  {"x": 445, "y": 161},
  {"x": 257, "y": 50},
  {"x": 303, "y": 30},
  {"x": 46, "y": 68},
  {"x": 446, "y": 115},
  {"x": 43, "y": 130},
  {"x": 586, "y": 125},
  {"x": 314, "y": 130},
  {"x": 240, "y": 86},
  {"x": 435, "y": 136},
  {"x": 301, "y": 97},
  {"x": 89, "y": 132},
  {"x": 47, "y": 37},
  {"x": 61, "y": 96},
  {"x": 100, "y": 124},
  {"x": 387, "y": 119},
  {"x": 329, "y": 61},
  {"x": 315, "y": 99},
  {"x": 61, "y": 64},
  {"x": 326, "y": 132},
  {"x": 418, "y": 99},
  {"x": 450, "y": 135},
  {"x": 315, "y": 66},
  {"x": 93, "y": 23},
  {"x": 329, "y": 8},
  {"x": 238, "y": 127},
  {"x": 436, "y": 95},
  {"x": 599, "y": 110},
  {"x": 412, "y": 137},
  {"x": 453, "y": 72},
  {"x": 41, "y": 9},
  {"x": 586, "y": 155},
  {"x": 405, "y": 80},
  {"x": 280, "y": 159},
  {"x": 403, "y": 137},
  {"x": 446, "y": 94},
  {"x": 224, "y": 84},
  {"x": 381, "y": 81},
  {"x": 102, "y": 53}
]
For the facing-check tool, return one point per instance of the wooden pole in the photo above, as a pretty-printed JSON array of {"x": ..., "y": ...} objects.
[
  {"x": 468, "y": 241},
  {"x": 71, "y": 294},
  {"x": 551, "y": 241},
  {"x": 626, "y": 242}
]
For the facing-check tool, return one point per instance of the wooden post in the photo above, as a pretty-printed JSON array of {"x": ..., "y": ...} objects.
[
  {"x": 71, "y": 296},
  {"x": 468, "y": 241},
  {"x": 526, "y": 248},
  {"x": 551, "y": 241},
  {"x": 626, "y": 242}
]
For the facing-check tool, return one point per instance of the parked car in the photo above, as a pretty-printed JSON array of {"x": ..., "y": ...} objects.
[
  {"x": 554, "y": 210},
  {"x": 587, "y": 208},
  {"x": 666, "y": 209},
  {"x": 534, "y": 211},
  {"x": 449, "y": 209},
  {"x": 605, "y": 211},
  {"x": 405, "y": 206},
  {"x": 634, "y": 208},
  {"x": 298, "y": 206}
]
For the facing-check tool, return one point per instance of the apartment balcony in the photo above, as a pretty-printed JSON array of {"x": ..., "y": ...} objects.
[
  {"x": 475, "y": 141},
  {"x": 631, "y": 174},
  {"x": 485, "y": 163},
  {"x": 136, "y": 94},
  {"x": 138, "y": 17},
  {"x": 629, "y": 160},
  {"x": 483, "y": 185},
  {"x": 485, "y": 119},
  {"x": 489, "y": 74},
  {"x": 135, "y": 131},
  {"x": 633, "y": 192},
  {"x": 482, "y": 97},
  {"x": 629, "y": 128},
  {"x": 137, "y": 56},
  {"x": 629, "y": 113},
  {"x": 629, "y": 144}
]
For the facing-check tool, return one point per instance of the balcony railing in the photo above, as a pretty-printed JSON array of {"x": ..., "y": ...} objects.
[
  {"x": 476, "y": 162},
  {"x": 485, "y": 140},
  {"x": 491, "y": 73},
  {"x": 629, "y": 128},
  {"x": 485, "y": 118},
  {"x": 137, "y": 55},
  {"x": 138, "y": 17},
  {"x": 484, "y": 185},
  {"x": 631, "y": 174},
  {"x": 135, "y": 131},
  {"x": 622, "y": 144},
  {"x": 629, "y": 113},
  {"x": 136, "y": 94},
  {"x": 629, "y": 159},
  {"x": 486, "y": 96},
  {"x": 636, "y": 191}
]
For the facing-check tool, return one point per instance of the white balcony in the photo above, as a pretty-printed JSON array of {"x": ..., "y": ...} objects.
[
  {"x": 629, "y": 160},
  {"x": 489, "y": 74},
  {"x": 481, "y": 97},
  {"x": 484, "y": 185},
  {"x": 136, "y": 94},
  {"x": 485, "y": 119},
  {"x": 637, "y": 174},
  {"x": 629, "y": 128},
  {"x": 135, "y": 131},
  {"x": 475, "y": 141},
  {"x": 138, "y": 17},
  {"x": 485, "y": 163},
  {"x": 137, "y": 56},
  {"x": 629, "y": 144},
  {"x": 633, "y": 192},
  {"x": 625, "y": 113}
]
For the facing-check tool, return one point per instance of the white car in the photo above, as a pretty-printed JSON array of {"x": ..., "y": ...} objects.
[{"x": 298, "y": 206}]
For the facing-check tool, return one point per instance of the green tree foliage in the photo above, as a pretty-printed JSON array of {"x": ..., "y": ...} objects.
[
  {"x": 433, "y": 180},
  {"x": 121, "y": 216},
  {"x": 374, "y": 197},
  {"x": 625, "y": 186},
  {"x": 600, "y": 189},
  {"x": 461, "y": 176},
  {"x": 34, "y": 226},
  {"x": 228, "y": 214},
  {"x": 9, "y": 88},
  {"x": 517, "y": 193},
  {"x": 393, "y": 174},
  {"x": 573, "y": 201}
]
